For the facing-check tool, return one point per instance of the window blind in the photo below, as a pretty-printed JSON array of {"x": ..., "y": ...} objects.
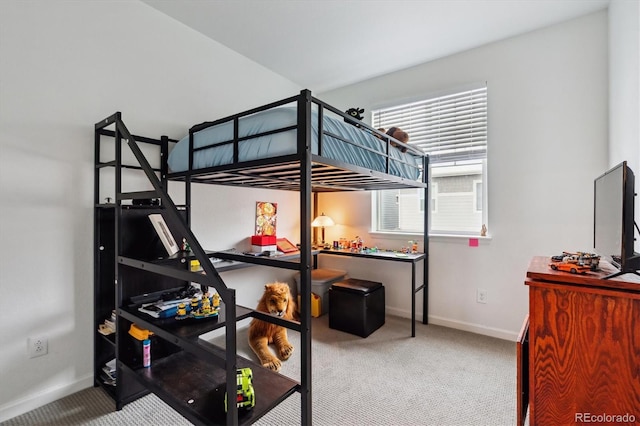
[{"x": 450, "y": 128}]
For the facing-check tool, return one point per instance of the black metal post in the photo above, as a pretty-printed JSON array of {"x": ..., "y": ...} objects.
[{"x": 304, "y": 150}]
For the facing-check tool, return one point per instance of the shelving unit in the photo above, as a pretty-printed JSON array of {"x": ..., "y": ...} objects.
[{"x": 188, "y": 373}]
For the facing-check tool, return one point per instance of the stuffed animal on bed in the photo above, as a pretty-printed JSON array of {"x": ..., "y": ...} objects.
[
  {"x": 399, "y": 134},
  {"x": 276, "y": 300},
  {"x": 355, "y": 113}
]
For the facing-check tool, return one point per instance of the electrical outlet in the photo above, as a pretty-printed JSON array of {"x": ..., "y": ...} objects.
[
  {"x": 38, "y": 346},
  {"x": 481, "y": 296}
]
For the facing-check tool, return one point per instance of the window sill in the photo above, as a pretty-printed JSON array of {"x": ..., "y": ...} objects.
[
  {"x": 459, "y": 237},
  {"x": 432, "y": 237}
]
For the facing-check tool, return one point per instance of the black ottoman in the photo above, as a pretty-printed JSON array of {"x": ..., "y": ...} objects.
[{"x": 356, "y": 306}]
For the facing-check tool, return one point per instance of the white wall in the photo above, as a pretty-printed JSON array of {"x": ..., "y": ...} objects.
[
  {"x": 59, "y": 74},
  {"x": 65, "y": 65},
  {"x": 624, "y": 88},
  {"x": 548, "y": 130}
]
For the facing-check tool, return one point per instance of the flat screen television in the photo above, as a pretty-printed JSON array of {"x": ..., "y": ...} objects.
[{"x": 613, "y": 224}]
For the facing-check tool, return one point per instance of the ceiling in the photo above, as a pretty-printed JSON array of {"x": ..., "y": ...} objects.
[{"x": 326, "y": 44}]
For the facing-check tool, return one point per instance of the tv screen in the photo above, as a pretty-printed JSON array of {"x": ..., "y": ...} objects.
[{"x": 613, "y": 229}]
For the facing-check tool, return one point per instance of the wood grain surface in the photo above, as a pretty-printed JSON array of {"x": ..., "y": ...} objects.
[{"x": 584, "y": 352}]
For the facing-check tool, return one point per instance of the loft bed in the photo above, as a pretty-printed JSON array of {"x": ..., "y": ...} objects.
[
  {"x": 298, "y": 143},
  {"x": 266, "y": 147}
]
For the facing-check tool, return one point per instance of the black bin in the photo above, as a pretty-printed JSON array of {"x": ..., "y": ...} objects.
[{"x": 356, "y": 306}]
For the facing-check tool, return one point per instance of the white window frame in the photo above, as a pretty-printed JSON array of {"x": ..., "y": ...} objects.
[
  {"x": 477, "y": 182},
  {"x": 451, "y": 145},
  {"x": 433, "y": 189}
]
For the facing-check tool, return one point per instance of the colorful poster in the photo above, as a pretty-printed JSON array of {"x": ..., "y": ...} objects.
[{"x": 266, "y": 218}]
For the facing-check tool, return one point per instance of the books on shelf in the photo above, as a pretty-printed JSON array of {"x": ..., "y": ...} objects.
[
  {"x": 109, "y": 325},
  {"x": 162, "y": 308},
  {"x": 108, "y": 374}
]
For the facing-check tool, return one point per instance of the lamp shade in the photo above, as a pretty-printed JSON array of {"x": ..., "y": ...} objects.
[{"x": 322, "y": 221}]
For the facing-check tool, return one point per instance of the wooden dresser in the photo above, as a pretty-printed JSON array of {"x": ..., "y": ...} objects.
[{"x": 579, "y": 348}]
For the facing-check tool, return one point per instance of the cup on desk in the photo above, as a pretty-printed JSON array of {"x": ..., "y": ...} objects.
[{"x": 336, "y": 245}]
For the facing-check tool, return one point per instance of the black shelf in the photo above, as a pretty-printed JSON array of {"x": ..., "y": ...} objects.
[
  {"x": 188, "y": 329},
  {"x": 132, "y": 267},
  {"x": 196, "y": 389},
  {"x": 109, "y": 338},
  {"x": 109, "y": 389}
]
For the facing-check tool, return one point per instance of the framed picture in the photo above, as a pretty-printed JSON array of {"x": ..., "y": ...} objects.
[
  {"x": 162, "y": 229},
  {"x": 285, "y": 245},
  {"x": 266, "y": 215}
]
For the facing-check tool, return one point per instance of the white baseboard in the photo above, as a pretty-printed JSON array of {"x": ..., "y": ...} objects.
[
  {"x": 498, "y": 333},
  {"x": 459, "y": 325},
  {"x": 43, "y": 397}
]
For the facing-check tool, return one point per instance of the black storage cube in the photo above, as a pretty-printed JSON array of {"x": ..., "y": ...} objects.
[{"x": 356, "y": 306}]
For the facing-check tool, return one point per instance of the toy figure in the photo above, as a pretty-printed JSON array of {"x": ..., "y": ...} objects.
[
  {"x": 194, "y": 304},
  {"x": 355, "y": 113},
  {"x": 216, "y": 302},
  {"x": 205, "y": 308},
  {"x": 182, "y": 312},
  {"x": 245, "y": 397}
]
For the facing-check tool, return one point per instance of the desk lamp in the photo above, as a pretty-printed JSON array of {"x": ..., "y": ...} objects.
[{"x": 321, "y": 222}]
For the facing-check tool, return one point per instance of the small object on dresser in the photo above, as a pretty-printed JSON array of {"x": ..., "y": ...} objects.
[{"x": 575, "y": 263}]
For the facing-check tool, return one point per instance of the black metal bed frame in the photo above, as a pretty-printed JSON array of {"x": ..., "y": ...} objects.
[
  {"x": 283, "y": 172},
  {"x": 303, "y": 171}
]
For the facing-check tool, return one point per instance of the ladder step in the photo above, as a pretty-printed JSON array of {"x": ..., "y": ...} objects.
[{"x": 140, "y": 195}]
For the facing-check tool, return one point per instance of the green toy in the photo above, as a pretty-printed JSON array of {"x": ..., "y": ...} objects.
[{"x": 245, "y": 398}]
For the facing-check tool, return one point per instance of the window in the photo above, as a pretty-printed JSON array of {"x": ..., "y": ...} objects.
[
  {"x": 452, "y": 129},
  {"x": 477, "y": 191}
]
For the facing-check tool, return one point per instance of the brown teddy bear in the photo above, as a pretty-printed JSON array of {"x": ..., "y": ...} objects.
[
  {"x": 276, "y": 300},
  {"x": 399, "y": 134}
]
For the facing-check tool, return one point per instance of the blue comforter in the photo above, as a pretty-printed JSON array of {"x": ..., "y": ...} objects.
[{"x": 284, "y": 143}]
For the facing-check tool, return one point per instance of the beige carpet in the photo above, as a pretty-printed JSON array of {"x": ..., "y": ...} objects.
[{"x": 440, "y": 377}]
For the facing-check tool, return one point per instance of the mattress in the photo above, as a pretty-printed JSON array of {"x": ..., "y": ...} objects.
[{"x": 366, "y": 150}]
